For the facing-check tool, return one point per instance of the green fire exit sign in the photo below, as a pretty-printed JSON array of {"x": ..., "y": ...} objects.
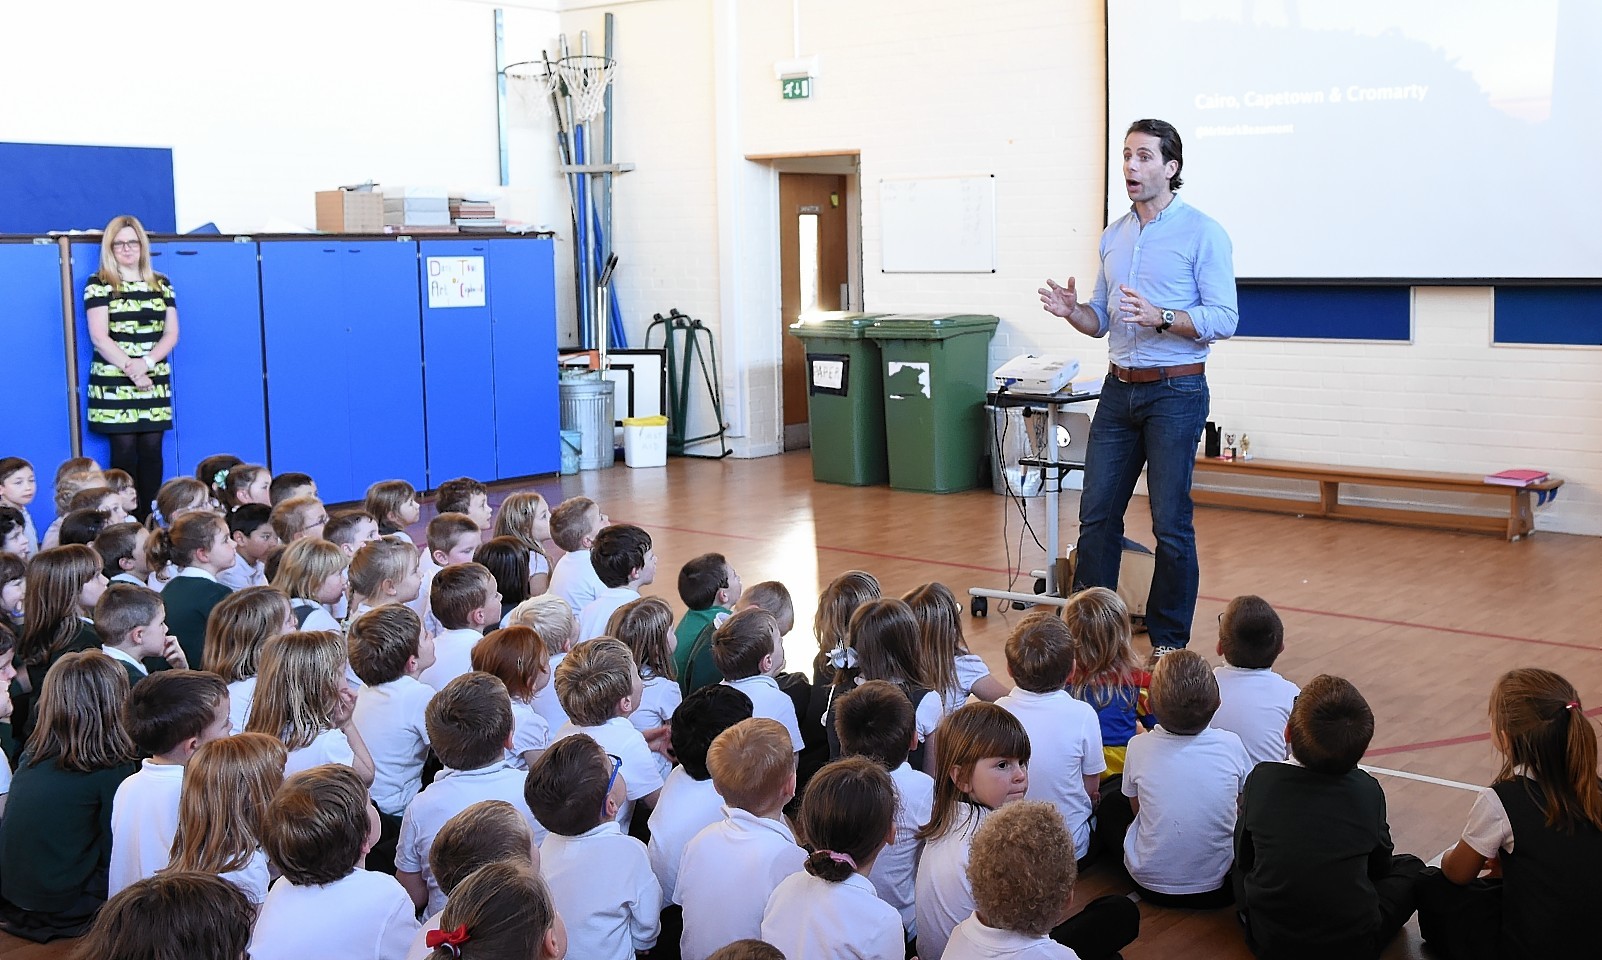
[{"x": 796, "y": 88}]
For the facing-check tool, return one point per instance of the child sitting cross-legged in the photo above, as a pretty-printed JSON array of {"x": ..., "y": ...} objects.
[
  {"x": 169, "y": 716},
  {"x": 1021, "y": 869},
  {"x": 188, "y": 913},
  {"x": 747, "y": 651},
  {"x": 301, "y": 698},
  {"x": 318, "y": 830},
  {"x": 601, "y": 879},
  {"x": 600, "y": 687},
  {"x": 831, "y": 911},
  {"x": 132, "y": 622},
  {"x": 469, "y": 727},
  {"x": 464, "y": 598},
  {"x": 574, "y": 525},
  {"x": 199, "y": 546},
  {"x": 122, "y": 550},
  {"x": 500, "y": 910},
  {"x": 251, "y": 530},
  {"x": 709, "y": 587},
  {"x": 228, "y": 784},
  {"x": 1183, "y": 782},
  {"x": 489, "y": 831},
  {"x": 388, "y": 651},
  {"x": 624, "y": 562},
  {"x": 876, "y": 721},
  {"x": 1316, "y": 875},
  {"x": 549, "y": 616},
  {"x": 235, "y": 632},
  {"x": 646, "y": 625},
  {"x": 1254, "y": 701},
  {"x": 731, "y": 868},
  {"x": 520, "y": 659}
]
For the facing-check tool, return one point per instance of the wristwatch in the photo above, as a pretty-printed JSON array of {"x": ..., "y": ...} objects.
[{"x": 1168, "y": 321}]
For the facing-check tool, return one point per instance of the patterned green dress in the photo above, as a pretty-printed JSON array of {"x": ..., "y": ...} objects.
[{"x": 137, "y": 316}]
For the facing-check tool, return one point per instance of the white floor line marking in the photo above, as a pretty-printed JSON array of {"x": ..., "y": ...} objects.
[{"x": 1382, "y": 771}]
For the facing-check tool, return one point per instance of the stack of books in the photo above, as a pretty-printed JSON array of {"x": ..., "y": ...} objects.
[
  {"x": 472, "y": 215},
  {"x": 1517, "y": 478},
  {"x": 416, "y": 210}
]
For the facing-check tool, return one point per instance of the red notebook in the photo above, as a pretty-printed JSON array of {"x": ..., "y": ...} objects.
[{"x": 1517, "y": 478}]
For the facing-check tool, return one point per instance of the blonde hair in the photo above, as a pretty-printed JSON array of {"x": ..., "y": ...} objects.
[
  {"x": 750, "y": 762},
  {"x": 305, "y": 564},
  {"x": 297, "y": 687},
  {"x": 1104, "y": 656},
  {"x": 227, "y": 786},
  {"x": 289, "y": 516},
  {"x": 74, "y": 482},
  {"x": 646, "y": 625},
  {"x": 80, "y": 722},
  {"x": 592, "y": 678},
  {"x": 516, "y": 519},
  {"x": 387, "y": 558},
  {"x": 551, "y": 618},
  {"x": 237, "y": 627},
  {"x": 939, "y": 618},
  {"x": 110, "y": 272}
]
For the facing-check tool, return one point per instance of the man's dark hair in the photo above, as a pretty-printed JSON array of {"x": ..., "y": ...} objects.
[
  {"x": 618, "y": 551},
  {"x": 1168, "y": 137}
]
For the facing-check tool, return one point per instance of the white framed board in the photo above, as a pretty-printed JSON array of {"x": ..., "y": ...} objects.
[{"x": 938, "y": 224}]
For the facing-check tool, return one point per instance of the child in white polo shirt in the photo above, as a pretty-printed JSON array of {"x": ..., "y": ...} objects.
[
  {"x": 690, "y": 801},
  {"x": 449, "y": 538},
  {"x": 624, "y": 562},
  {"x": 600, "y": 878},
  {"x": 600, "y": 687},
  {"x": 388, "y": 651},
  {"x": 464, "y": 598},
  {"x": 876, "y": 720},
  {"x": 1183, "y": 781},
  {"x": 469, "y": 726},
  {"x": 1254, "y": 701},
  {"x": 731, "y": 868},
  {"x": 574, "y": 525},
  {"x": 489, "y": 831},
  {"x": 169, "y": 716},
  {"x": 1021, "y": 869},
  {"x": 1063, "y": 732},
  {"x": 318, "y": 829},
  {"x": 748, "y": 652},
  {"x": 251, "y": 530},
  {"x": 830, "y": 911}
]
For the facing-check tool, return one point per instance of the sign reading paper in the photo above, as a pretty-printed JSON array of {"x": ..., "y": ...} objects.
[
  {"x": 455, "y": 282},
  {"x": 828, "y": 374}
]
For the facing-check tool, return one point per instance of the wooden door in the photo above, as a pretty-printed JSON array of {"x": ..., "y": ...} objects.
[{"x": 813, "y": 273}]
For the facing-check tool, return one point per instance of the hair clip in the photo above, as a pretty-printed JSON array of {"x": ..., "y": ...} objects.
[
  {"x": 219, "y": 480},
  {"x": 451, "y": 940},
  {"x": 155, "y": 511},
  {"x": 844, "y": 858},
  {"x": 843, "y": 658},
  {"x": 1571, "y": 704}
]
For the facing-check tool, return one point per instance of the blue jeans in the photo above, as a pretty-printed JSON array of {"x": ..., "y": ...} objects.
[{"x": 1156, "y": 426}]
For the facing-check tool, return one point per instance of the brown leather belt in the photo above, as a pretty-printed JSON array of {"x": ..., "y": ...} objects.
[{"x": 1154, "y": 374}]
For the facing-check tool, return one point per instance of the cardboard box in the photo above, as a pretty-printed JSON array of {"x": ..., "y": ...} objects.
[{"x": 350, "y": 211}]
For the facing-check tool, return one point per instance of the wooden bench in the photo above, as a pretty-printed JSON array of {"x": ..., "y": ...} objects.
[{"x": 1519, "y": 521}]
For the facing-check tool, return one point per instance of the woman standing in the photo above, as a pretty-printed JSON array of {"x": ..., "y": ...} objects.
[{"x": 133, "y": 324}]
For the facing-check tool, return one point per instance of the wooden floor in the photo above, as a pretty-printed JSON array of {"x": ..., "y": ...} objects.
[{"x": 1422, "y": 622}]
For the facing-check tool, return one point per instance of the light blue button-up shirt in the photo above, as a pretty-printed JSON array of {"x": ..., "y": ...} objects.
[{"x": 1181, "y": 260}]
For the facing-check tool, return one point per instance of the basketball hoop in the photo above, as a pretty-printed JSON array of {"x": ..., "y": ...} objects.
[
  {"x": 586, "y": 79},
  {"x": 530, "y": 83}
]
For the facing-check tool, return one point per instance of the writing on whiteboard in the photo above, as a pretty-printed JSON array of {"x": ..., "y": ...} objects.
[{"x": 455, "y": 282}]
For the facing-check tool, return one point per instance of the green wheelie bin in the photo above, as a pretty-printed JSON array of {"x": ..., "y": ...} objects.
[
  {"x": 845, "y": 397},
  {"x": 936, "y": 370}
]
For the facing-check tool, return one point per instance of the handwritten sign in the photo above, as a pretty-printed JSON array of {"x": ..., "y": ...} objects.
[{"x": 455, "y": 282}]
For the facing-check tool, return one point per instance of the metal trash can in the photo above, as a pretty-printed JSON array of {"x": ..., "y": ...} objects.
[
  {"x": 935, "y": 378},
  {"x": 1015, "y": 433},
  {"x": 586, "y": 399},
  {"x": 845, "y": 398}
]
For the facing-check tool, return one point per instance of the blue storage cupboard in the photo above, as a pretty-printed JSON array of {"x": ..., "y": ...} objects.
[{"x": 38, "y": 417}]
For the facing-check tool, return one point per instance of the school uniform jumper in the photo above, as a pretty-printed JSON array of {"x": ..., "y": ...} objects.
[{"x": 189, "y": 599}]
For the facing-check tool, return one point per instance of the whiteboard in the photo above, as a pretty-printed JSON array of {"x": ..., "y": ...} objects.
[{"x": 938, "y": 225}]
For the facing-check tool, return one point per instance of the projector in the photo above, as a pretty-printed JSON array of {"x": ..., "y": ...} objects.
[{"x": 1032, "y": 374}]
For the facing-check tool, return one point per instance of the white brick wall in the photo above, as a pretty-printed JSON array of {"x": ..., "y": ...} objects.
[{"x": 941, "y": 87}]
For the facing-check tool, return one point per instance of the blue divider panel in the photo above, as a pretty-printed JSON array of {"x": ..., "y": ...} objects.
[
  {"x": 459, "y": 384},
  {"x": 218, "y": 404},
  {"x": 522, "y": 296},
  {"x": 55, "y": 186},
  {"x": 1325, "y": 312},
  {"x": 344, "y": 377},
  {"x": 96, "y": 446},
  {"x": 37, "y": 423},
  {"x": 1561, "y": 315}
]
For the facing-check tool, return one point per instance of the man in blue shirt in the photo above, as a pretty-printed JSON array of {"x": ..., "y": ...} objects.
[{"x": 1165, "y": 292}]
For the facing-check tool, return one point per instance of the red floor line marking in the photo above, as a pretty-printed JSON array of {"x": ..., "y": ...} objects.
[
  {"x": 1448, "y": 742},
  {"x": 1024, "y": 573}
]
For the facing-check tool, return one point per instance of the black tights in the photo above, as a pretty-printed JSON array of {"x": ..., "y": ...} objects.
[{"x": 140, "y": 455}]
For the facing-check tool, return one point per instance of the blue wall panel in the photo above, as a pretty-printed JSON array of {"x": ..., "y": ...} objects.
[
  {"x": 86, "y": 260},
  {"x": 1560, "y": 315},
  {"x": 218, "y": 404},
  {"x": 56, "y": 186},
  {"x": 384, "y": 373},
  {"x": 459, "y": 383},
  {"x": 522, "y": 297},
  {"x": 1326, "y": 312},
  {"x": 37, "y": 423}
]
